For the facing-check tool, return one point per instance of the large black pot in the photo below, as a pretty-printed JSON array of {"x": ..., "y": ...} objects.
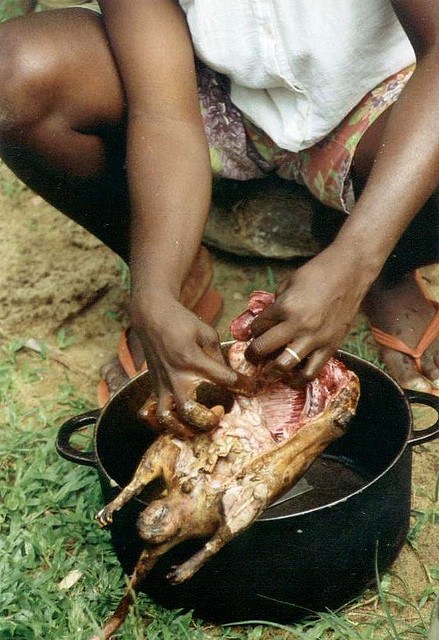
[{"x": 316, "y": 551}]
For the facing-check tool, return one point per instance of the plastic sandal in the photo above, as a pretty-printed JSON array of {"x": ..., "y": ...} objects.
[{"x": 430, "y": 334}]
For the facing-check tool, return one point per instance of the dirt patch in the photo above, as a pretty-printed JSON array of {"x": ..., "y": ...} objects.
[{"x": 56, "y": 276}]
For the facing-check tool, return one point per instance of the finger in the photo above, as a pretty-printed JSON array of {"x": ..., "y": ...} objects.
[
  {"x": 266, "y": 320},
  {"x": 169, "y": 420},
  {"x": 288, "y": 365},
  {"x": 179, "y": 411},
  {"x": 272, "y": 344},
  {"x": 261, "y": 325},
  {"x": 211, "y": 346},
  {"x": 224, "y": 376},
  {"x": 214, "y": 395},
  {"x": 293, "y": 354},
  {"x": 190, "y": 398},
  {"x": 244, "y": 385},
  {"x": 301, "y": 373},
  {"x": 289, "y": 357},
  {"x": 166, "y": 421},
  {"x": 315, "y": 362}
]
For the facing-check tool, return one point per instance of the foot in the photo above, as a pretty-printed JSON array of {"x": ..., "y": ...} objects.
[
  {"x": 105, "y": 516},
  {"x": 403, "y": 311}
]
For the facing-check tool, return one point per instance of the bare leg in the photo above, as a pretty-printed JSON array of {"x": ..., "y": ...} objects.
[
  {"x": 187, "y": 569},
  {"x": 62, "y": 118},
  {"x": 395, "y": 303}
]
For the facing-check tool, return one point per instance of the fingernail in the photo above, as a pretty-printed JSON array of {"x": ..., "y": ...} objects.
[{"x": 285, "y": 360}]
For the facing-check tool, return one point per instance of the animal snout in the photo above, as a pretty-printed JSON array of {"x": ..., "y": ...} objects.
[{"x": 157, "y": 523}]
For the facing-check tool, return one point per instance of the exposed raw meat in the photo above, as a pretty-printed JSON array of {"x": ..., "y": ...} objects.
[
  {"x": 240, "y": 326},
  {"x": 219, "y": 482}
]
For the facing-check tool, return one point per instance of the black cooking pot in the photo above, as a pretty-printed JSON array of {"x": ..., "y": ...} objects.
[{"x": 309, "y": 553}]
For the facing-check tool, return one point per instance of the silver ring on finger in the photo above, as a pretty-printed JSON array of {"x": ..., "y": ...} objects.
[{"x": 293, "y": 354}]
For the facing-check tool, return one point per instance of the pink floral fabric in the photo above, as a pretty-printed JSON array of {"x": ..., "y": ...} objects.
[{"x": 241, "y": 151}]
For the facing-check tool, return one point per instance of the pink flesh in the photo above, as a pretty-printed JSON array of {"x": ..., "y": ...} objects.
[
  {"x": 284, "y": 410},
  {"x": 240, "y": 326},
  {"x": 277, "y": 409}
]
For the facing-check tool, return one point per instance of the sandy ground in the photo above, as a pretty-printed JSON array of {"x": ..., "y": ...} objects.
[{"x": 56, "y": 277}]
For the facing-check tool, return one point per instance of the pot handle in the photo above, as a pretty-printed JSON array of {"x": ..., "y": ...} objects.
[
  {"x": 423, "y": 435},
  {"x": 63, "y": 445}
]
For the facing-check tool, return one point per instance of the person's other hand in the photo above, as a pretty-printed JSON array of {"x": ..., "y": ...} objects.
[{"x": 310, "y": 317}]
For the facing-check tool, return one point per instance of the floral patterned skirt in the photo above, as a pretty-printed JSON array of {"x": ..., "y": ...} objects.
[{"x": 241, "y": 151}]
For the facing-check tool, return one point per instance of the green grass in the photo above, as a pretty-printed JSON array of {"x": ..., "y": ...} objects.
[
  {"x": 47, "y": 526},
  {"x": 263, "y": 279},
  {"x": 10, "y": 9}
]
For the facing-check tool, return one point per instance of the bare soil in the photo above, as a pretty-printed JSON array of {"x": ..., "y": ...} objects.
[{"x": 55, "y": 276}]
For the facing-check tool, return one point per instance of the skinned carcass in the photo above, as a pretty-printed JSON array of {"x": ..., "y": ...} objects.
[{"x": 217, "y": 483}]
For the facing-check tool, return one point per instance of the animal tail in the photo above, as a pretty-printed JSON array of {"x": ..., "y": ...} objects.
[
  {"x": 118, "y": 617},
  {"x": 145, "y": 563}
]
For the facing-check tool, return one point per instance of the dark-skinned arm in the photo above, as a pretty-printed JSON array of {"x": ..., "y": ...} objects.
[
  {"x": 169, "y": 179},
  {"x": 321, "y": 299}
]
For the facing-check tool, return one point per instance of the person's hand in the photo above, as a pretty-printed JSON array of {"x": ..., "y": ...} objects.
[
  {"x": 182, "y": 353},
  {"x": 310, "y": 317}
]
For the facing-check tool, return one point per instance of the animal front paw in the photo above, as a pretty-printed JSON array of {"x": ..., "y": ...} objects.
[
  {"x": 178, "y": 574},
  {"x": 105, "y": 516}
]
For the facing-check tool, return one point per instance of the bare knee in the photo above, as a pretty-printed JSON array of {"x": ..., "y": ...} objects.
[
  {"x": 59, "y": 91},
  {"x": 57, "y": 63},
  {"x": 28, "y": 80}
]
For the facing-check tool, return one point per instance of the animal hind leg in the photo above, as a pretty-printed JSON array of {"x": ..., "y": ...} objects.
[
  {"x": 241, "y": 505},
  {"x": 187, "y": 569}
]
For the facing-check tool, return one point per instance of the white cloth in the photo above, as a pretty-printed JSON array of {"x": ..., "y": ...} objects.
[{"x": 297, "y": 67}]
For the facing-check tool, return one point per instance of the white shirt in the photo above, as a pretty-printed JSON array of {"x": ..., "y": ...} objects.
[{"x": 297, "y": 67}]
